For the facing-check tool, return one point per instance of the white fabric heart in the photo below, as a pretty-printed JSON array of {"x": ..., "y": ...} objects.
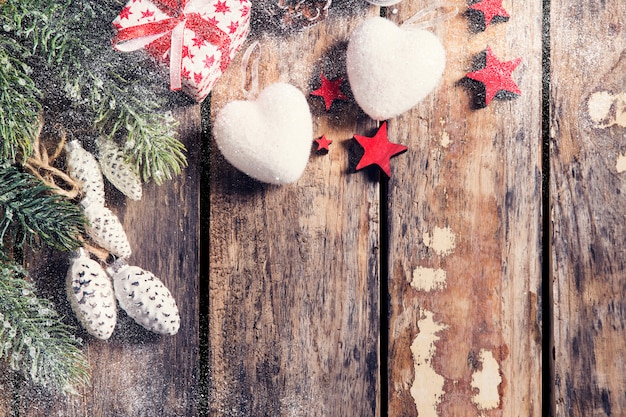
[
  {"x": 392, "y": 68},
  {"x": 269, "y": 138}
]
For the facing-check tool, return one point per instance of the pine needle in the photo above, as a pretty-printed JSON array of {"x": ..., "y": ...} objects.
[
  {"x": 31, "y": 213},
  {"x": 34, "y": 340},
  {"x": 119, "y": 95},
  {"x": 19, "y": 103}
]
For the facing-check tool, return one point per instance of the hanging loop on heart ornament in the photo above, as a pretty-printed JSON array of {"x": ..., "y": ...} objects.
[
  {"x": 254, "y": 72},
  {"x": 383, "y": 3},
  {"x": 431, "y": 16},
  {"x": 392, "y": 68}
]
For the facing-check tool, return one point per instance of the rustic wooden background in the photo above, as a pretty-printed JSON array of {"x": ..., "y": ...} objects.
[{"x": 484, "y": 278}]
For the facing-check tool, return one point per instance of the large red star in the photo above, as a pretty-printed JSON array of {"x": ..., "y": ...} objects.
[
  {"x": 490, "y": 9},
  {"x": 496, "y": 76},
  {"x": 330, "y": 91},
  {"x": 322, "y": 143},
  {"x": 378, "y": 150}
]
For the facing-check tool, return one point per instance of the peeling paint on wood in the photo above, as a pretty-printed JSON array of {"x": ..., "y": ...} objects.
[
  {"x": 607, "y": 109},
  {"x": 486, "y": 381},
  {"x": 428, "y": 279},
  {"x": 427, "y": 388},
  {"x": 620, "y": 165},
  {"x": 441, "y": 240}
]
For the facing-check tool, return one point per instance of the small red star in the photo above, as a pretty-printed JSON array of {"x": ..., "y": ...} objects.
[
  {"x": 322, "y": 143},
  {"x": 233, "y": 27},
  {"x": 125, "y": 13},
  {"x": 146, "y": 14},
  {"x": 490, "y": 9},
  {"x": 378, "y": 150},
  {"x": 186, "y": 53},
  {"x": 330, "y": 91},
  {"x": 198, "y": 42},
  {"x": 209, "y": 61},
  {"x": 496, "y": 76},
  {"x": 221, "y": 7}
]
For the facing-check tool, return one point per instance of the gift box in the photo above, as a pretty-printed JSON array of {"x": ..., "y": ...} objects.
[{"x": 195, "y": 39}]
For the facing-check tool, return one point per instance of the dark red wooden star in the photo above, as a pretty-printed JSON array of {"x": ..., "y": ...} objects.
[
  {"x": 322, "y": 143},
  {"x": 330, "y": 90},
  {"x": 490, "y": 9},
  {"x": 378, "y": 150},
  {"x": 496, "y": 76}
]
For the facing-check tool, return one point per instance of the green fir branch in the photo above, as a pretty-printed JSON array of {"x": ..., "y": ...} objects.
[
  {"x": 34, "y": 340},
  {"x": 31, "y": 213},
  {"x": 157, "y": 154},
  {"x": 120, "y": 94},
  {"x": 19, "y": 104}
]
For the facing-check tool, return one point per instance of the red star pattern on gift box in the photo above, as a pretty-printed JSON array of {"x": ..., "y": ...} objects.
[
  {"x": 330, "y": 91},
  {"x": 378, "y": 150},
  {"x": 221, "y": 7},
  {"x": 490, "y": 9},
  {"x": 496, "y": 76},
  {"x": 125, "y": 13},
  {"x": 323, "y": 143},
  {"x": 204, "y": 56}
]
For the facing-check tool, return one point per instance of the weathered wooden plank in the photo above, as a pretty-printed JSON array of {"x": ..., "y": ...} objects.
[
  {"x": 293, "y": 297},
  {"x": 588, "y": 124},
  {"x": 464, "y": 207},
  {"x": 137, "y": 373}
]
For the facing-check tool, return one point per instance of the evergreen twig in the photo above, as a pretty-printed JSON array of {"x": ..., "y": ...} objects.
[
  {"x": 19, "y": 103},
  {"x": 31, "y": 213},
  {"x": 118, "y": 94},
  {"x": 33, "y": 339}
]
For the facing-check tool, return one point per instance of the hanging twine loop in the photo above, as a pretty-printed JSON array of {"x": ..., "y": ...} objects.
[
  {"x": 431, "y": 16},
  {"x": 40, "y": 165}
]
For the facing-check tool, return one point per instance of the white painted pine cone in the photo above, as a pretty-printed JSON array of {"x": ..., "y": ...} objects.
[
  {"x": 84, "y": 168},
  {"x": 105, "y": 229},
  {"x": 117, "y": 170},
  {"x": 144, "y": 298},
  {"x": 91, "y": 295}
]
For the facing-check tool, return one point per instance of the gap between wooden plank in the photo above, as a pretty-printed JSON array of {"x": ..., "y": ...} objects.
[
  {"x": 204, "y": 351},
  {"x": 547, "y": 300},
  {"x": 384, "y": 295}
]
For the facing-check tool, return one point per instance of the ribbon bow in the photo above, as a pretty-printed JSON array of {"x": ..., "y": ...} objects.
[{"x": 158, "y": 37}]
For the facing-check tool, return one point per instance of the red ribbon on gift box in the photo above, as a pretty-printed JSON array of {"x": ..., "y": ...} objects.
[{"x": 158, "y": 37}]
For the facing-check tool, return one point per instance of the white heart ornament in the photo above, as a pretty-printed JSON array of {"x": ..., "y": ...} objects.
[
  {"x": 392, "y": 68},
  {"x": 269, "y": 138}
]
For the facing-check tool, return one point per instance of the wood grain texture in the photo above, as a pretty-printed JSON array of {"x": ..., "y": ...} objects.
[
  {"x": 293, "y": 297},
  {"x": 137, "y": 373},
  {"x": 465, "y": 201},
  {"x": 588, "y": 192}
]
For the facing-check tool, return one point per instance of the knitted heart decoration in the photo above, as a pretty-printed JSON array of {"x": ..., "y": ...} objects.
[
  {"x": 269, "y": 138},
  {"x": 392, "y": 68}
]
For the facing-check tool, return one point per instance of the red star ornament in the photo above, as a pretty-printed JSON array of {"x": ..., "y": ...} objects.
[
  {"x": 490, "y": 9},
  {"x": 322, "y": 143},
  {"x": 496, "y": 76},
  {"x": 330, "y": 91},
  {"x": 378, "y": 150}
]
